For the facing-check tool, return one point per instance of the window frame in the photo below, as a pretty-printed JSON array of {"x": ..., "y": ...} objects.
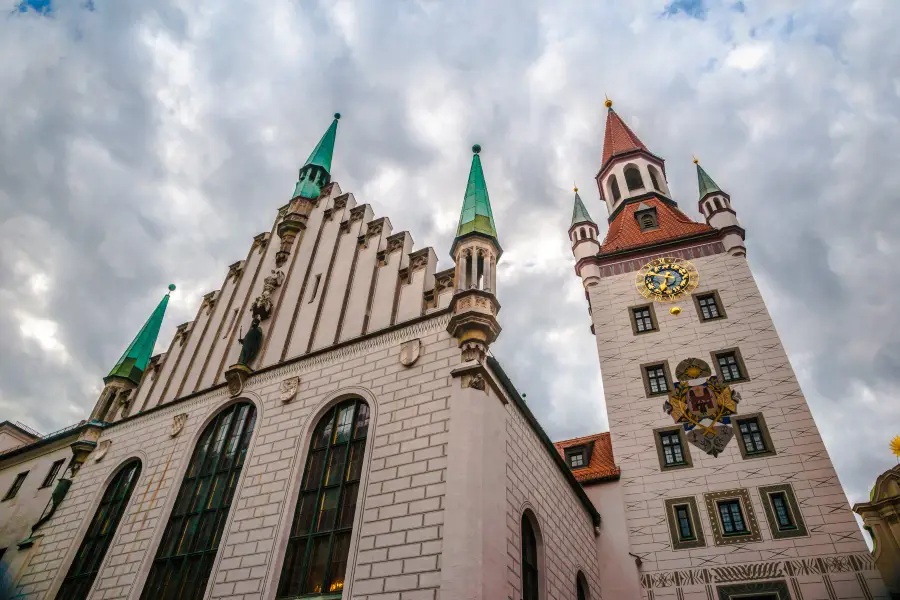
[
  {"x": 760, "y": 419},
  {"x": 739, "y": 361},
  {"x": 736, "y": 591},
  {"x": 751, "y": 534},
  {"x": 161, "y": 565},
  {"x": 678, "y": 542},
  {"x": 766, "y": 494},
  {"x": 535, "y": 593},
  {"x": 16, "y": 486},
  {"x": 80, "y": 580},
  {"x": 645, "y": 377},
  {"x": 633, "y": 318},
  {"x": 719, "y": 306},
  {"x": 580, "y": 456},
  {"x": 290, "y": 583},
  {"x": 50, "y": 477},
  {"x": 660, "y": 449}
]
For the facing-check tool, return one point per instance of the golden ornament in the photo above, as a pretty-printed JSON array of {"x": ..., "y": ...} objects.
[
  {"x": 667, "y": 279},
  {"x": 895, "y": 446},
  {"x": 675, "y": 310}
]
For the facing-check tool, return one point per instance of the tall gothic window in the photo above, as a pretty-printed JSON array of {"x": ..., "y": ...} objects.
[
  {"x": 614, "y": 188},
  {"x": 316, "y": 559},
  {"x": 99, "y": 534},
  {"x": 529, "y": 561},
  {"x": 654, "y": 177},
  {"x": 185, "y": 556}
]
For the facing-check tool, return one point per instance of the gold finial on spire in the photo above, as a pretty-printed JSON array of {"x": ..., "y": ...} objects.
[
  {"x": 608, "y": 103},
  {"x": 895, "y": 446},
  {"x": 575, "y": 187},
  {"x": 696, "y": 160}
]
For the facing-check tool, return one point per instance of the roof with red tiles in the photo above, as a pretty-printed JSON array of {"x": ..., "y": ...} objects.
[
  {"x": 625, "y": 232},
  {"x": 619, "y": 137},
  {"x": 602, "y": 466}
]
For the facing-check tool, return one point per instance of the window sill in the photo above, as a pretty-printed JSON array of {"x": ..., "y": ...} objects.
[{"x": 736, "y": 534}]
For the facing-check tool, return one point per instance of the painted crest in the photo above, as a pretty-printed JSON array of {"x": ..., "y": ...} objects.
[
  {"x": 178, "y": 422},
  {"x": 409, "y": 352},
  {"x": 703, "y": 406},
  {"x": 289, "y": 389},
  {"x": 102, "y": 449}
]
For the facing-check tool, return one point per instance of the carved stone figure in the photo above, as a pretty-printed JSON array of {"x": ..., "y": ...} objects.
[
  {"x": 262, "y": 305},
  {"x": 250, "y": 343},
  {"x": 178, "y": 422}
]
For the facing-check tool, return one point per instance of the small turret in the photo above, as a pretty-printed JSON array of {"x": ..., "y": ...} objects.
[
  {"x": 583, "y": 234},
  {"x": 715, "y": 206},
  {"x": 476, "y": 252},
  {"x": 126, "y": 375}
]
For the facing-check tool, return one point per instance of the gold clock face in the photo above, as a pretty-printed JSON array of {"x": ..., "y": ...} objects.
[{"x": 667, "y": 279}]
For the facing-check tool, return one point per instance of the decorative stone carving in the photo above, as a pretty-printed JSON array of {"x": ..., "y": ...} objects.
[
  {"x": 418, "y": 260},
  {"x": 395, "y": 243},
  {"x": 442, "y": 283},
  {"x": 178, "y": 422},
  {"x": 289, "y": 388},
  {"x": 340, "y": 203},
  {"x": 124, "y": 398},
  {"x": 235, "y": 270},
  {"x": 409, "y": 352},
  {"x": 473, "y": 351},
  {"x": 102, "y": 449},
  {"x": 262, "y": 305},
  {"x": 235, "y": 377},
  {"x": 476, "y": 381},
  {"x": 181, "y": 333},
  {"x": 260, "y": 241},
  {"x": 357, "y": 213},
  {"x": 209, "y": 301},
  {"x": 692, "y": 368}
]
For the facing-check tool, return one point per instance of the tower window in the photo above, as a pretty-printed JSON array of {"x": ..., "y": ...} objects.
[
  {"x": 479, "y": 279},
  {"x": 709, "y": 306},
  {"x": 633, "y": 178},
  {"x": 642, "y": 319},
  {"x": 654, "y": 177},
  {"x": 683, "y": 520},
  {"x": 732, "y": 517},
  {"x": 52, "y": 473},
  {"x": 16, "y": 486},
  {"x": 754, "y": 440},
  {"x": 646, "y": 218},
  {"x": 614, "y": 188},
  {"x": 730, "y": 366},
  {"x": 656, "y": 379},
  {"x": 782, "y": 511},
  {"x": 752, "y": 437},
  {"x": 672, "y": 450},
  {"x": 684, "y": 523},
  {"x": 576, "y": 460}
]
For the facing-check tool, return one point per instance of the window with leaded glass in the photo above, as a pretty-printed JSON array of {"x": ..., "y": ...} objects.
[
  {"x": 529, "y": 561},
  {"x": 17, "y": 484},
  {"x": 656, "y": 379},
  {"x": 53, "y": 472},
  {"x": 729, "y": 366},
  {"x": 709, "y": 308},
  {"x": 782, "y": 512},
  {"x": 673, "y": 454},
  {"x": 683, "y": 518},
  {"x": 752, "y": 437},
  {"x": 100, "y": 532},
  {"x": 732, "y": 517},
  {"x": 576, "y": 460},
  {"x": 316, "y": 559},
  {"x": 643, "y": 321},
  {"x": 189, "y": 544}
]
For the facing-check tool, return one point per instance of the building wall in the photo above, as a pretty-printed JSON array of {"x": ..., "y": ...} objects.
[
  {"x": 619, "y": 575},
  {"x": 18, "y": 514},
  {"x": 832, "y": 560}
]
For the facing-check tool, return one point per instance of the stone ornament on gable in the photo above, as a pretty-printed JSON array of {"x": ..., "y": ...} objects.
[
  {"x": 262, "y": 305},
  {"x": 289, "y": 388},
  {"x": 102, "y": 449},
  {"x": 476, "y": 381},
  {"x": 178, "y": 422},
  {"x": 409, "y": 352}
]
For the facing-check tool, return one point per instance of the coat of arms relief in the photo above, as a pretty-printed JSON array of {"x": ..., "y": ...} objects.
[{"x": 703, "y": 405}]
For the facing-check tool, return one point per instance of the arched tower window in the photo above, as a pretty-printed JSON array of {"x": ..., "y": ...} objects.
[
  {"x": 633, "y": 178},
  {"x": 530, "y": 570},
  {"x": 185, "y": 556},
  {"x": 581, "y": 587},
  {"x": 654, "y": 177},
  {"x": 614, "y": 188},
  {"x": 316, "y": 558},
  {"x": 100, "y": 533},
  {"x": 717, "y": 203}
]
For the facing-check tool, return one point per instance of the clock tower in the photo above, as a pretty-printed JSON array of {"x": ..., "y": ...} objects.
[{"x": 727, "y": 487}]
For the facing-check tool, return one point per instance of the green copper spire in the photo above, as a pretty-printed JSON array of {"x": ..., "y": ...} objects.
[
  {"x": 705, "y": 182},
  {"x": 580, "y": 213},
  {"x": 476, "y": 214},
  {"x": 316, "y": 172},
  {"x": 132, "y": 364}
]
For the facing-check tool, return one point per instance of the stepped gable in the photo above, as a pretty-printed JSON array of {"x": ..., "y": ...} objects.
[
  {"x": 602, "y": 465},
  {"x": 625, "y": 232}
]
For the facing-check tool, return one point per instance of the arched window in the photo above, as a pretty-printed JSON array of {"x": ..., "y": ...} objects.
[
  {"x": 582, "y": 233},
  {"x": 717, "y": 203},
  {"x": 633, "y": 178},
  {"x": 614, "y": 189},
  {"x": 529, "y": 560},
  {"x": 581, "y": 587},
  {"x": 316, "y": 558},
  {"x": 99, "y": 534},
  {"x": 185, "y": 556},
  {"x": 654, "y": 177}
]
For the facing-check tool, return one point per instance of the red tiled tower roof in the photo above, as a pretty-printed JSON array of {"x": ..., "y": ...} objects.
[
  {"x": 625, "y": 232},
  {"x": 602, "y": 465},
  {"x": 619, "y": 137}
]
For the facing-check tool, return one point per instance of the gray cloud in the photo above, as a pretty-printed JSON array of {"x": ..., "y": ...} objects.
[{"x": 147, "y": 143}]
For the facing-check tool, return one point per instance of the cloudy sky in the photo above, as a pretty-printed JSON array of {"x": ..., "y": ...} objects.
[{"x": 143, "y": 143}]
